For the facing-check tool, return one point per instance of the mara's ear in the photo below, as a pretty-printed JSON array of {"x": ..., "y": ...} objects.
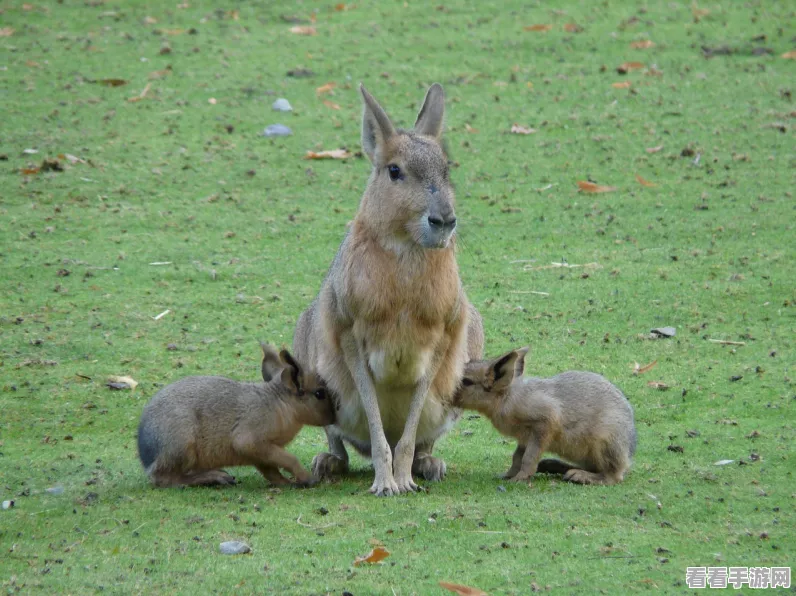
[
  {"x": 376, "y": 126},
  {"x": 504, "y": 370},
  {"x": 272, "y": 364},
  {"x": 291, "y": 373},
  {"x": 519, "y": 365},
  {"x": 431, "y": 116}
]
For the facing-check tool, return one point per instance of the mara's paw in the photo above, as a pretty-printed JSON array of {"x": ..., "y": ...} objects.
[
  {"x": 583, "y": 477},
  {"x": 429, "y": 467},
  {"x": 384, "y": 487},
  {"x": 308, "y": 482},
  {"x": 406, "y": 484},
  {"x": 326, "y": 465},
  {"x": 508, "y": 475}
]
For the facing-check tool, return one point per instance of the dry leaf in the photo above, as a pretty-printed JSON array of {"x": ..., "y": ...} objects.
[
  {"x": 333, "y": 154},
  {"x": 73, "y": 159},
  {"x": 592, "y": 187},
  {"x": 699, "y": 12},
  {"x": 469, "y": 128},
  {"x": 789, "y": 55},
  {"x": 640, "y": 370},
  {"x": 331, "y": 104},
  {"x": 643, "y": 182},
  {"x": 30, "y": 171},
  {"x": 6, "y": 31},
  {"x": 27, "y": 7},
  {"x": 341, "y": 7},
  {"x": 303, "y": 30},
  {"x": 173, "y": 31},
  {"x": 111, "y": 82},
  {"x": 660, "y": 385},
  {"x": 627, "y": 67},
  {"x": 325, "y": 88},
  {"x": 377, "y": 554},
  {"x": 537, "y": 28},
  {"x": 141, "y": 95},
  {"x": 522, "y": 130},
  {"x": 159, "y": 74},
  {"x": 150, "y": 20},
  {"x": 642, "y": 44},
  {"x": 654, "y": 149},
  {"x": 622, "y": 85},
  {"x": 572, "y": 28},
  {"x": 462, "y": 590},
  {"x": 129, "y": 382}
]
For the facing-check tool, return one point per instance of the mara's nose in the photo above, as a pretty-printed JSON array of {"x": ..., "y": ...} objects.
[{"x": 438, "y": 222}]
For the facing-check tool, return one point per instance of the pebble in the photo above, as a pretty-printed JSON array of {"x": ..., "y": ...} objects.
[
  {"x": 277, "y": 130},
  {"x": 234, "y": 547},
  {"x": 282, "y": 105}
]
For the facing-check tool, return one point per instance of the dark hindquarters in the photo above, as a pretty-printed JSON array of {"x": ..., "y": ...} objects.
[{"x": 148, "y": 444}]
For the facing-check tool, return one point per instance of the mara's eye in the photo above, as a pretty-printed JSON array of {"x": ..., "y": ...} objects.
[
  {"x": 320, "y": 393},
  {"x": 467, "y": 382},
  {"x": 395, "y": 172}
]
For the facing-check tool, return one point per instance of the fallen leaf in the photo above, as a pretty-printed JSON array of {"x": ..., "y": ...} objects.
[
  {"x": 644, "y": 182},
  {"x": 141, "y": 95},
  {"x": 73, "y": 159},
  {"x": 654, "y": 149},
  {"x": 572, "y": 28},
  {"x": 522, "y": 130},
  {"x": 640, "y": 370},
  {"x": 627, "y": 67},
  {"x": 332, "y": 154},
  {"x": 377, "y": 554},
  {"x": 159, "y": 74},
  {"x": 462, "y": 590},
  {"x": 537, "y": 28},
  {"x": 699, "y": 12},
  {"x": 592, "y": 187},
  {"x": 622, "y": 85},
  {"x": 115, "y": 382},
  {"x": 150, "y": 20},
  {"x": 27, "y": 7},
  {"x": 789, "y": 55},
  {"x": 303, "y": 30},
  {"x": 212, "y": 101},
  {"x": 331, "y": 104},
  {"x": 325, "y": 88},
  {"x": 660, "y": 385},
  {"x": 676, "y": 448},
  {"x": 173, "y": 31},
  {"x": 111, "y": 82},
  {"x": 30, "y": 171},
  {"x": 642, "y": 44},
  {"x": 341, "y": 7},
  {"x": 723, "y": 462},
  {"x": 469, "y": 128},
  {"x": 6, "y": 32}
]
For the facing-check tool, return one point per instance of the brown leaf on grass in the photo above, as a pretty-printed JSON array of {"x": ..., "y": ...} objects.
[
  {"x": 592, "y": 187},
  {"x": 30, "y": 171},
  {"x": 172, "y": 31},
  {"x": 333, "y": 154},
  {"x": 654, "y": 149},
  {"x": 331, "y": 104},
  {"x": 789, "y": 55},
  {"x": 150, "y": 20},
  {"x": 627, "y": 67},
  {"x": 325, "y": 88},
  {"x": 73, "y": 159},
  {"x": 141, "y": 95},
  {"x": 111, "y": 82},
  {"x": 659, "y": 385},
  {"x": 699, "y": 12},
  {"x": 537, "y": 28},
  {"x": 572, "y": 28},
  {"x": 469, "y": 128},
  {"x": 462, "y": 590},
  {"x": 303, "y": 30},
  {"x": 644, "y": 182},
  {"x": 622, "y": 85},
  {"x": 377, "y": 554},
  {"x": 642, "y": 44},
  {"x": 159, "y": 74},
  {"x": 522, "y": 130},
  {"x": 341, "y": 7},
  {"x": 640, "y": 370},
  {"x": 6, "y": 31}
]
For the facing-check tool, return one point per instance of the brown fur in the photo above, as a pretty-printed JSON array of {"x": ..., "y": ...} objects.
[
  {"x": 193, "y": 427},
  {"x": 578, "y": 415},
  {"x": 391, "y": 327}
]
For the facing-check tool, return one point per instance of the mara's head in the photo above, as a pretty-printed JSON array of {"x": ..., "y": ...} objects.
[
  {"x": 486, "y": 381},
  {"x": 409, "y": 199},
  {"x": 305, "y": 389}
]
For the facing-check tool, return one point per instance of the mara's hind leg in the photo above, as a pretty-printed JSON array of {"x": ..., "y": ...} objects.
[
  {"x": 272, "y": 475},
  {"x": 165, "y": 479},
  {"x": 333, "y": 463},
  {"x": 609, "y": 464},
  {"x": 579, "y": 476},
  {"x": 426, "y": 465},
  {"x": 553, "y": 466}
]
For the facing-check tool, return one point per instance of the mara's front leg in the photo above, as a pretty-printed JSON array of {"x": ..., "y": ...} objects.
[
  {"x": 405, "y": 449},
  {"x": 384, "y": 484}
]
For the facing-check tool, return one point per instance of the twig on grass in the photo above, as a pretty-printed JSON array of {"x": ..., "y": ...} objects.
[
  {"x": 161, "y": 315},
  {"x": 529, "y": 292},
  {"x": 311, "y": 527},
  {"x": 727, "y": 342}
]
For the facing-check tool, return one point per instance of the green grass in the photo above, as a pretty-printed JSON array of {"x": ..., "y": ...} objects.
[{"x": 250, "y": 228}]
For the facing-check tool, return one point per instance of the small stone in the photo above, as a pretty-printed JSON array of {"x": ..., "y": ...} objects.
[
  {"x": 501, "y": 488},
  {"x": 664, "y": 331},
  {"x": 277, "y": 130},
  {"x": 282, "y": 105},
  {"x": 55, "y": 490},
  {"x": 234, "y": 547}
]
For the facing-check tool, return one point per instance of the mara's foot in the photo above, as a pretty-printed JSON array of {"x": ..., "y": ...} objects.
[
  {"x": 429, "y": 467},
  {"x": 326, "y": 465},
  {"x": 583, "y": 477}
]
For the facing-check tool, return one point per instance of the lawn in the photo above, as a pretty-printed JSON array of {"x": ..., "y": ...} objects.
[{"x": 136, "y": 181}]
